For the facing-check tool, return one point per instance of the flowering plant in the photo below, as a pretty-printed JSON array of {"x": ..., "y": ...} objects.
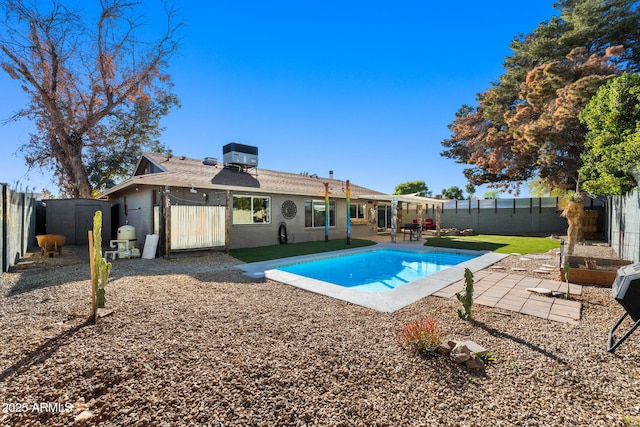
[{"x": 424, "y": 336}]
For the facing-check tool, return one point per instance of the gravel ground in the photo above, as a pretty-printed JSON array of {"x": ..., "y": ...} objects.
[{"x": 192, "y": 341}]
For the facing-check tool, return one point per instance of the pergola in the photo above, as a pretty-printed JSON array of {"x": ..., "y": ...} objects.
[{"x": 407, "y": 198}]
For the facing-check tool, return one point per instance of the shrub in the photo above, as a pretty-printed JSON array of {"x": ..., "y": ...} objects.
[{"x": 424, "y": 336}]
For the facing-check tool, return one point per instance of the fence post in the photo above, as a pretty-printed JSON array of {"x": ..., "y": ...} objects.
[
  {"x": 5, "y": 227},
  {"x": 167, "y": 222},
  {"x": 227, "y": 223}
]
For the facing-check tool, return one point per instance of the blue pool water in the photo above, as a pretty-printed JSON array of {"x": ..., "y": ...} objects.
[{"x": 377, "y": 271}]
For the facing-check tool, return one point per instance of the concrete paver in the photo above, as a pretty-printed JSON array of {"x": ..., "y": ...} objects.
[{"x": 508, "y": 292}]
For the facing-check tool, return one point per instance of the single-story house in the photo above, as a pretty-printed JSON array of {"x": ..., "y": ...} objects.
[{"x": 202, "y": 203}]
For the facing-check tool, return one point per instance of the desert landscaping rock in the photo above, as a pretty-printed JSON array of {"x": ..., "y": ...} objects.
[
  {"x": 468, "y": 352},
  {"x": 474, "y": 362},
  {"x": 193, "y": 341}
]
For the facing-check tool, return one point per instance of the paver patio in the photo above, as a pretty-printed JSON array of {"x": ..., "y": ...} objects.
[{"x": 509, "y": 292}]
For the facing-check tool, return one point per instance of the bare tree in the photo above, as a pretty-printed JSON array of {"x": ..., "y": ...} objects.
[{"x": 81, "y": 79}]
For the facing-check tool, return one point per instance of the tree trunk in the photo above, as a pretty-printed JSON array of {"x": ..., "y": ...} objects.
[
  {"x": 77, "y": 181},
  {"x": 81, "y": 178}
]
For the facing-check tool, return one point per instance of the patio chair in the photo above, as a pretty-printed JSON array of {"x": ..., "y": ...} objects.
[{"x": 428, "y": 224}]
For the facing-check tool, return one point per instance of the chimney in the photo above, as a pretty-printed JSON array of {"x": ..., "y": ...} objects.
[{"x": 330, "y": 174}]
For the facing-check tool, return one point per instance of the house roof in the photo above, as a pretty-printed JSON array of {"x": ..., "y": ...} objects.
[{"x": 180, "y": 171}]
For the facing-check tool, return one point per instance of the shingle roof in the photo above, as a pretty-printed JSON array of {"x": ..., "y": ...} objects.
[{"x": 184, "y": 172}]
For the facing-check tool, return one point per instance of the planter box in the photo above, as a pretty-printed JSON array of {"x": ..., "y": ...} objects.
[{"x": 604, "y": 274}]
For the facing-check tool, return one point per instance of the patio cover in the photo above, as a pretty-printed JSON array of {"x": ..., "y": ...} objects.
[{"x": 406, "y": 198}]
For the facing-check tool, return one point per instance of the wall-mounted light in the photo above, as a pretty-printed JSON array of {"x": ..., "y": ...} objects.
[{"x": 193, "y": 190}]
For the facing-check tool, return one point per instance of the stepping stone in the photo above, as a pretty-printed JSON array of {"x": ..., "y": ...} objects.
[
  {"x": 518, "y": 269},
  {"x": 496, "y": 267},
  {"x": 550, "y": 266},
  {"x": 541, "y": 271},
  {"x": 546, "y": 268},
  {"x": 534, "y": 256},
  {"x": 525, "y": 259},
  {"x": 540, "y": 291}
]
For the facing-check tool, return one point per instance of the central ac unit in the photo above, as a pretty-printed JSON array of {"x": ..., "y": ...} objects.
[{"x": 240, "y": 154}]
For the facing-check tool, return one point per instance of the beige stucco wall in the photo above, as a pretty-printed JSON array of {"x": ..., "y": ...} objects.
[{"x": 253, "y": 235}]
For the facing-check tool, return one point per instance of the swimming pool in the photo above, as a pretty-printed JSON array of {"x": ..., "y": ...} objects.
[
  {"x": 388, "y": 300},
  {"x": 378, "y": 270}
]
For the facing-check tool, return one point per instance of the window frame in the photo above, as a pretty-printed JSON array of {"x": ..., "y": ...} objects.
[
  {"x": 333, "y": 206},
  {"x": 360, "y": 211},
  {"x": 252, "y": 210}
]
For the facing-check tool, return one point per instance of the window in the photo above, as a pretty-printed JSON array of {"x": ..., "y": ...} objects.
[
  {"x": 358, "y": 211},
  {"x": 314, "y": 213},
  {"x": 251, "y": 210}
]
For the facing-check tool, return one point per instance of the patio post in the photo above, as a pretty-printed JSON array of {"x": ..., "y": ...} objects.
[
  {"x": 348, "y": 191},
  {"x": 394, "y": 218},
  {"x": 326, "y": 211}
]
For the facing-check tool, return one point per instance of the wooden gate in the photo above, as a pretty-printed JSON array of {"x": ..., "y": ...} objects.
[{"x": 197, "y": 227}]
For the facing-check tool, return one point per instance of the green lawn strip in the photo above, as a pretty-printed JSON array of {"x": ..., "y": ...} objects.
[
  {"x": 265, "y": 253},
  {"x": 495, "y": 243}
]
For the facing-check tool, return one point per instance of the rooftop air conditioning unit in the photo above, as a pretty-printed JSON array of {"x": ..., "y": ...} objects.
[
  {"x": 626, "y": 290},
  {"x": 210, "y": 161},
  {"x": 240, "y": 155}
]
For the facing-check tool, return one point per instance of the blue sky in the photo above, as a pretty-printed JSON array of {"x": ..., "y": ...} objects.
[{"x": 365, "y": 89}]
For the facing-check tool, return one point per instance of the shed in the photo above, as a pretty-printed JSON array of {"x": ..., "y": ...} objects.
[{"x": 73, "y": 218}]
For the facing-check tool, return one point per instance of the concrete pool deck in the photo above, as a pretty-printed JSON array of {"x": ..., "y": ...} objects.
[{"x": 388, "y": 301}]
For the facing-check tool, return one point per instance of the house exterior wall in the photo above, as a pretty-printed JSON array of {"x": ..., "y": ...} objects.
[
  {"x": 254, "y": 235},
  {"x": 134, "y": 208}
]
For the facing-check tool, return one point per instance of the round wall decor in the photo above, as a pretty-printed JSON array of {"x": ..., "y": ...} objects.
[{"x": 289, "y": 209}]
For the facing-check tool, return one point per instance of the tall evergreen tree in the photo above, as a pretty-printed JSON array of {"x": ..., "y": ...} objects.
[{"x": 526, "y": 124}]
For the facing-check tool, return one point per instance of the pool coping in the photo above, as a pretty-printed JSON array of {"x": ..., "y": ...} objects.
[{"x": 387, "y": 301}]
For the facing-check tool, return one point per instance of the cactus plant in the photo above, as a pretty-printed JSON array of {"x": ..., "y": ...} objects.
[
  {"x": 467, "y": 297},
  {"x": 101, "y": 268}
]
